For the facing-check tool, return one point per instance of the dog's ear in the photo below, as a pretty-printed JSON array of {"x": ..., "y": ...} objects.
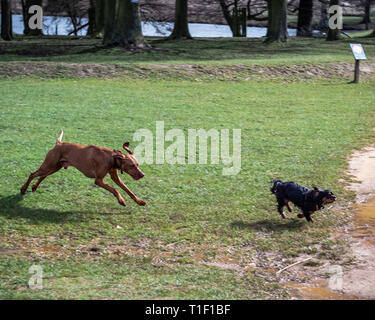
[
  {"x": 117, "y": 154},
  {"x": 316, "y": 192},
  {"x": 126, "y": 147}
]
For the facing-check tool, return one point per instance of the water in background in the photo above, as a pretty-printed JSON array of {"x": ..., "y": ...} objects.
[
  {"x": 62, "y": 26},
  {"x": 203, "y": 30}
]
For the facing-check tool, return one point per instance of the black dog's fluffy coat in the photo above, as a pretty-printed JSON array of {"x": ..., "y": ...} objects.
[{"x": 307, "y": 200}]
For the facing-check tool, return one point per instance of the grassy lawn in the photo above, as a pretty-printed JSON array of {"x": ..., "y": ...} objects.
[
  {"x": 202, "y": 235},
  {"x": 216, "y": 51}
]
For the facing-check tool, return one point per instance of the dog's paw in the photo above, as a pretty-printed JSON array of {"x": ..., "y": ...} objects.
[
  {"x": 141, "y": 202},
  {"x": 23, "y": 190},
  {"x": 34, "y": 187},
  {"x": 283, "y": 215},
  {"x": 300, "y": 215},
  {"x": 122, "y": 202}
]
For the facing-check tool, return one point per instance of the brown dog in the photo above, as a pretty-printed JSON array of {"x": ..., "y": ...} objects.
[{"x": 94, "y": 162}]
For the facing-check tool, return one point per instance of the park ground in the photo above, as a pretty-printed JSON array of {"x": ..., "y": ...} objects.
[{"x": 202, "y": 235}]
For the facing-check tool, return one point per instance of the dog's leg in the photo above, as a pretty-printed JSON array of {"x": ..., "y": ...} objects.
[
  {"x": 288, "y": 206},
  {"x": 49, "y": 166},
  {"x": 39, "y": 173},
  {"x": 281, "y": 203},
  {"x": 36, "y": 185},
  {"x": 32, "y": 176},
  {"x": 307, "y": 214},
  {"x": 117, "y": 180},
  {"x": 99, "y": 182}
]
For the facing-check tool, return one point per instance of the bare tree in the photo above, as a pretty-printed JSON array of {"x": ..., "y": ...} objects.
[
  {"x": 305, "y": 15},
  {"x": 126, "y": 29},
  {"x": 6, "y": 20},
  {"x": 277, "y": 29},
  {"x": 99, "y": 17},
  {"x": 109, "y": 10},
  {"x": 181, "y": 26},
  {"x": 92, "y": 19},
  {"x": 256, "y": 11},
  {"x": 76, "y": 10},
  {"x": 367, "y": 11}
]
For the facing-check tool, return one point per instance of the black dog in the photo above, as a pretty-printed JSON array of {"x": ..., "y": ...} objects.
[{"x": 307, "y": 200}]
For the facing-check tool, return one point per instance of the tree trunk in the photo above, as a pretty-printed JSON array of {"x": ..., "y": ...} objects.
[
  {"x": 26, "y": 4},
  {"x": 323, "y": 22},
  {"x": 26, "y": 28},
  {"x": 91, "y": 16},
  {"x": 181, "y": 27},
  {"x": 100, "y": 16},
  {"x": 227, "y": 15},
  {"x": 127, "y": 29},
  {"x": 366, "y": 18},
  {"x": 109, "y": 21},
  {"x": 6, "y": 20},
  {"x": 333, "y": 34},
  {"x": 305, "y": 15},
  {"x": 277, "y": 29}
]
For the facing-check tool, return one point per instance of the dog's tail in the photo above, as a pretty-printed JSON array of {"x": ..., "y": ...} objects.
[
  {"x": 275, "y": 184},
  {"x": 59, "y": 139}
]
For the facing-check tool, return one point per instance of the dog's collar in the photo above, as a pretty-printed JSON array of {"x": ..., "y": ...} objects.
[
  {"x": 318, "y": 201},
  {"x": 115, "y": 160}
]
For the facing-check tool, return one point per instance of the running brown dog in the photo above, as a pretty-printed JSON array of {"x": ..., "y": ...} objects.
[{"x": 94, "y": 162}]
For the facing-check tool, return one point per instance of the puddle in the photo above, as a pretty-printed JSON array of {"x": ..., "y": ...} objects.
[
  {"x": 359, "y": 282},
  {"x": 365, "y": 212},
  {"x": 316, "y": 290},
  {"x": 364, "y": 222}
]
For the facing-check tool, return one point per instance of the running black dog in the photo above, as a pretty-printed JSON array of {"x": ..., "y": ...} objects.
[{"x": 308, "y": 200}]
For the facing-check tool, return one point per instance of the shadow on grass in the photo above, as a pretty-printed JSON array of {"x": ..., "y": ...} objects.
[
  {"x": 12, "y": 208},
  {"x": 210, "y": 49},
  {"x": 269, "y": 225}
]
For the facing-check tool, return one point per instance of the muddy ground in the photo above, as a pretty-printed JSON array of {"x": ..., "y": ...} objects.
[
  {"x": 355, "y": 279},
  {"x": 185, "y": 71}
]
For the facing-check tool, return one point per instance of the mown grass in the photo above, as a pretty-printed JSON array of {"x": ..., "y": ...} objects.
[
  {"x": 216, "y": 51},
  {"x": 202, "y": 234}
]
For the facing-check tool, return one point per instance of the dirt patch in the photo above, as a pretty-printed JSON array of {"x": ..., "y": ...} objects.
[
  {"x": 59, "y": 70},
  {"x": 184, "y": 71},
  {"x": 362, "y": 169},
  {"x": 355, "y": 280},
  {"x": 360, "y": 280}
]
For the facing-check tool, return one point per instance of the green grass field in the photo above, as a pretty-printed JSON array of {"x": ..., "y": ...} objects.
[
  {"x": 202, "y": 235},
  {"x": 223, "y": 51}
]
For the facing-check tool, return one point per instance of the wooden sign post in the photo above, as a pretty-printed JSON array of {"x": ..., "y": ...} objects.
[{"x": 359, "y": 54}]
